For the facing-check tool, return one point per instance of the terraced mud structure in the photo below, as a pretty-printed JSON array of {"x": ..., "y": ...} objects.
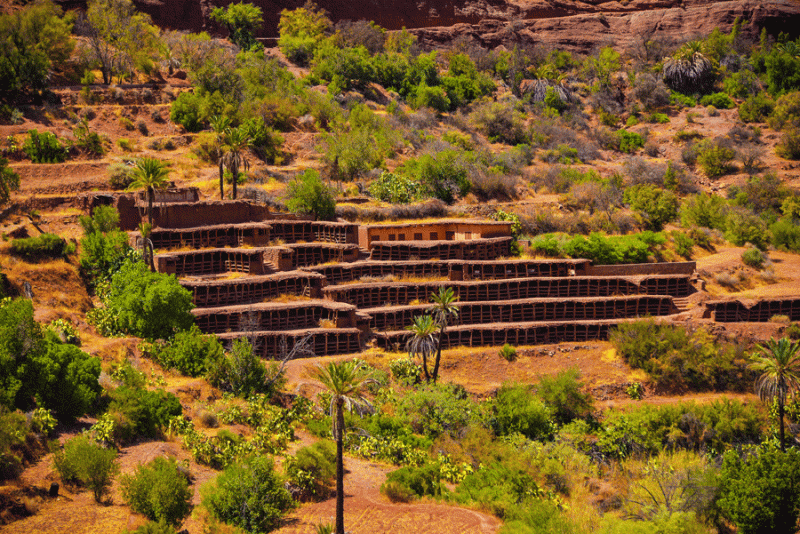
[{"x": 275, "y": 278}]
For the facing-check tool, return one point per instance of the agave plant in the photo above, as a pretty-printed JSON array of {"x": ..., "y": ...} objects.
[{"x": 688, "y": 70}]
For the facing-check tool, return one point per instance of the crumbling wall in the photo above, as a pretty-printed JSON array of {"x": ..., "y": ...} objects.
[{"x": 191, "y": 214}]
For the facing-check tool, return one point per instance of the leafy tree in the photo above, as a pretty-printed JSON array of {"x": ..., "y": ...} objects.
[
  {"x": 65, "y": 380},
  {"x": 779, "y": 368},
  {"x": 187, "y": 111},
  {"x": 21, "y": 341},
  {"x": 159, "y": 491},
  {"x": 150, "y": 174},
  {"x": 423, "y": 340},
  {"x": 309, "y": 195},
  {"x": 249, "y": 495},
  {"x": 237, "y": 140},
  {"x": 301, "y": 31},
  {"x": 149, "y": 305},
  {"x": 761, "y": 493},
  {"x": 33, "y": 40},
  {"x": 442, "y": 310},
  {"x": 240, "y": 20},
  {"x": 103, "y": 246},
  {"x": 346, "y": 382},
  {"x": 119, "y": 36},
  {"x": 142, "y": 412},
  {"x": 783, "y": 67},
  {"x": 654, "y": 205},
  {"x": 9, "y": 181}
]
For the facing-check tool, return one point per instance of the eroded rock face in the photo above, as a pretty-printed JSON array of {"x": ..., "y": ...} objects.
[{"x": 573, "y": 25}]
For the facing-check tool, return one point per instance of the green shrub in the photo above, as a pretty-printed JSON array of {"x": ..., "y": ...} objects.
[
  {"x": 66, "y": 380},
  {"x": 743, "y": 226},
  {"x": 500, "y": 123},
  {"x": 13, "y": 431},
  {"x": 438, "y": 409},
  {"x": 431, "y": 97},
  {"x": 508, "y": 352},
  {"x": 147, "y": 304},
  {"x": 103, "y": 246},
  {"x": 243, "y": 373},
  {"x": 613, "y": 250},
  {"x": 140, "y": 412},
  {"x": 44, "y": 148},
  {"x": 789, "y": 146},
  {"x": 752, "y": 257},
  {"x": 704, "y": 210},
  {"x": 190, "y": 352},
  {"x": 309, "y": 195},
  {"x": 42, "y": 246},
  {"x": 677, "y": 359},
  {"x": 782, "y": 66},
  {"x": 718, "y": 100},
  {"x": 248, "y": 495},
  {"x": 562, "y": 394},
  {"x": 546, "y": 245},
  {"x": 159, "y": 491},
  {"x": 683, "y": 244},
  {"x": 756, "y": 108},
  {"x": 444, "y": 175},
  {"x": 405, "y": 370},
  {"x": 264, "y": 141},
  {"x": 742, "y": 84},
  {"x": 152, "y": 527},
  {"x": 301, "y": 31},
  {"x": 787, "y": 112},
  {"x": 627, "y": 142},
  {"x": 313, "y": 469},
  {"x": 786, "y": 235},
  {"x": 758, "y": 493},
  {"x": 120, "y": 176},
  {"x": 84, "y": 462},
  {"x": 714, "y": 158},
  {"x": 186, "y": 110},
  {"x": 517, "y": 410},
  {"x": 655, "y": 206},
  {"x": 395, "y": 188},
  {"x": 418, "y": 481}
]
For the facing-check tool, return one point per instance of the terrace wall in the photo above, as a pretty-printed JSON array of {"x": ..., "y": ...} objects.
[
  {"x": 475, "y": 249},
  {"x": 320, "y": 231},
  {"x": 190, "y": 214},
  {"x": 253, "y": 289},
  {"x": 211, "y": 261},
  {"x": 375, "y": 295},
  {"x": 679, "y": 267},
  {"x": 731, "y": 311},
  {"x": 529, "y": 310},
  {"x": 307, "y": 254},
  {"x": 274, "y": 316},
  {"x": 218, "y": 236},
  {"x": 325, "y": 341},
  {"x": 513, "y": 334}
]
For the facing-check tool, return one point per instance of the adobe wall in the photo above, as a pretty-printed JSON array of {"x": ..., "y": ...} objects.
[
  {"x": 529, "y": 310},
  {"x": 308, "y": 254},
  {"x": 211, "y": 261},
  {"x": 321, "y": 231},
  {"x": 445, "y": 230},
  {"x": 219, "y": 236},
  {"x": 190, "y": 214},
  {"x": 681, "y": 267},
  {"x": 475, "y": 249},
  {"x": 274, "y": 317}
]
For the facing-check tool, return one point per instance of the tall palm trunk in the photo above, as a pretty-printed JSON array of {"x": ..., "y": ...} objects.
[
  {"x": 438, "y": 354},
  {"x": 235, "y": 171},
  {"x": 339, "y": 467},
  {"x": 221, "y": 179},
  {"x": 780, "y": 416},
  {"x": 150, "y": 194}
]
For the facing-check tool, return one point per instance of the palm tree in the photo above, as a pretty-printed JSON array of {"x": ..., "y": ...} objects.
[
  {"x": 689, "y": 70},
  {"x": 150, "y": 174},
  {"x": 237, "y": 140},
  {"x": 346, "y": 382},
  {"x": 443, "y": 308},
  {"x": 220, "y": 123},
  {"x": 779, "y": 365},
  {"x": 422, "y": 340}
]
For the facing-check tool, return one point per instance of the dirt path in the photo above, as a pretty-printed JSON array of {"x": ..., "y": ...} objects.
[{"x": 368, "y": 512}]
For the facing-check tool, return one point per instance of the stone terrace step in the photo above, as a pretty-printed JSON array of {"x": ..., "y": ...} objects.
[
  {"x": 533, "y": 333},
  {"x": 529, "y": 310},
  {"x": 274, "y": 316},
  {"x": 324, "y": 341},
  {"x": 399, "y": 293},
  {"x": 252, "y": 289}
]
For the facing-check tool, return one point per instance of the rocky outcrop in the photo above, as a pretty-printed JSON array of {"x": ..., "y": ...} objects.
[
  {"x": 623, "y": 30},
  {"x": 567, "y": 24}
]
